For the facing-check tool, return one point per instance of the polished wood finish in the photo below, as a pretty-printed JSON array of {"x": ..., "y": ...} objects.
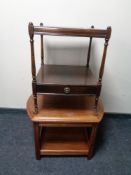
[
  {"x": 89, "y": 49},
  {"x": 64, "y": 106},
  {"x": 65, "y": 121},
  {"x": 59, "y": 31},
  {"x": 33, "y": 67},
  {"x": 65, "y": 75},
  {"x": 67, "y": 80},
  {"x": 103, "y": 61},
  {"x": 55, "y": 79},
  {"x": 42, "y": 47},
  {"x": 91, "y": 140},
  {"x": 65, "y": 110},
  {"x": 37, "y": 139},
  {"x": 63, "y": 141}
]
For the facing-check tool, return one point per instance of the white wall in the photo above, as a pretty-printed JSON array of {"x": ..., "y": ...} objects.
[{"x": 15, "y": 76}]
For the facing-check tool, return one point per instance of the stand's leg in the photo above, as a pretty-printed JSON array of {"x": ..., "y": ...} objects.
[
  {"x": 92, "y": 141},
  {"x": 37, "y": 140}
]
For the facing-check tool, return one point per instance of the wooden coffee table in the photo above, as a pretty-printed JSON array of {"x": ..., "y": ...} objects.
[{"x": 64, "y": 125}]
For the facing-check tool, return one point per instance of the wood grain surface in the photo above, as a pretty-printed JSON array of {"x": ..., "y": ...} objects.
[{"x": 61, "y": 109}]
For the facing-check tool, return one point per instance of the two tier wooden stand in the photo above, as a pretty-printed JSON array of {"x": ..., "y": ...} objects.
[
  {"x": 64, "y": 125},
  {"x": 65, "y": 107}
]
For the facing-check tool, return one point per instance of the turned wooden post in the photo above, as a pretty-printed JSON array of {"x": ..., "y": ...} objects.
[
  {"x": 42, "y": 47},
  {"x": 102, "y": 65},
  {"x": 33, "y": 68},
  {"x": 89, "y": 49}
]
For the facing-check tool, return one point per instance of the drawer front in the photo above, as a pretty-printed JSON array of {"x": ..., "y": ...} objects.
[{"x": 67, "y": 90}]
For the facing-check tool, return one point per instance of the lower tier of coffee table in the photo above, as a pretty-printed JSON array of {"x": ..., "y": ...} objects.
[
  {"x": 64, "y": 141},
  {"x": 64, "y": 125}
]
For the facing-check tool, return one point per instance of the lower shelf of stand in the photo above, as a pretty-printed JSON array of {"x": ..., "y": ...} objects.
[{"x": 64, "y": 141}]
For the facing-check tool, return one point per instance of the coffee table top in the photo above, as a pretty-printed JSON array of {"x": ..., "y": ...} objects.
[{"x": 65, "y": 109}]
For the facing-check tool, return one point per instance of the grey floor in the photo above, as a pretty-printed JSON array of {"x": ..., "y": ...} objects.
[{"x": 112, "y": 151}]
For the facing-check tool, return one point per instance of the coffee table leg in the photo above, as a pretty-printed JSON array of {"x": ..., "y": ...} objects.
[
  {"x": 37, "y": 140},
  {"x": 92, "y": 140}
]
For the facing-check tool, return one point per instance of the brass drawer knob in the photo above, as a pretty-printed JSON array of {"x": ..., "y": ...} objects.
[{"x": 66, "y": 90}]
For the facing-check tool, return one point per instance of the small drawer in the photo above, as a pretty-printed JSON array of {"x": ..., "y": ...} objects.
[{"x": 67, "y": 90}]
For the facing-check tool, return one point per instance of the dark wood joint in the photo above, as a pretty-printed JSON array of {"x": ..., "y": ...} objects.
[
  {"x": 109, "y": 30},
  {"x": 31, "y": 30}
]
